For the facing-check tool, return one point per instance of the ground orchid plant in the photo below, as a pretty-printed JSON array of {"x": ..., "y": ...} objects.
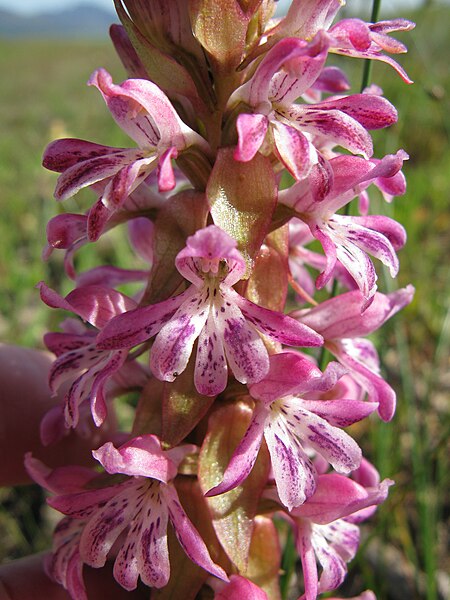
[{"x": 246, "y": 150}]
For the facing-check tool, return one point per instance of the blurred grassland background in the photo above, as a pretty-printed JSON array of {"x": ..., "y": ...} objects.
[{"x": 43, "y": 96}]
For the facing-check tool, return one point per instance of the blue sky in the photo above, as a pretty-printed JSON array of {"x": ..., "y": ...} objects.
[{"x": 36, "y": 6}]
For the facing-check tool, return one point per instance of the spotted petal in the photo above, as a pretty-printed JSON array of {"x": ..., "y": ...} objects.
[
  {"x": 173, "y": 344},
  {"x": 187, "y": 534},
  {"x": 276, "y": 325},
  {"x": 145, "y": 550},
  {"x": 137, "y": 326}
]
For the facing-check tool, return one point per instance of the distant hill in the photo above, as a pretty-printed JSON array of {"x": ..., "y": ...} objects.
[{"x": 83, "y": 21}]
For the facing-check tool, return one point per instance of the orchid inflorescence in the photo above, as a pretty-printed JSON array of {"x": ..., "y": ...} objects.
[{"x": 246, "y": 147}]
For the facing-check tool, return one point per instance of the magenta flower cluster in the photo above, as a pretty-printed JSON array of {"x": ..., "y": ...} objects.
[{"x": 245, "y": 147}]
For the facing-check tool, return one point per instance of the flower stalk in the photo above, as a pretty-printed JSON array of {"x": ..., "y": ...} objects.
[{"x": 237, "y": 425}]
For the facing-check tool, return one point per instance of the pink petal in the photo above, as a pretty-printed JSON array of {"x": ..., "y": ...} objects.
[
  {"x": 244, "y": 348},
  {"x": 332, "y": 80},
  {"x": 276, "y": 325},
  {"x": 105, "y": 526},
  {"x": 144, "y": 112},
  {"x": 188, "y": 536},
  {"x": 336, "y": 446},
  {"x": 92, "y": 170},
  {"x": 340, "y": 413},
  {"x": 292, "y": 373},
  {"x": 137, "y": 326},
  {"x": 65, "y": 229},
  {"x": 294, "y": 150},
  {"x": 210, "y": 244},
  {"x": 126, "y": 180},
  {"x": 251, "y": 130},
  {"x": 292, "y": 469},
  {"x": 354, "y": 258},
  {"x": 96, "y": 396},
  {"x": 61, "y": 480},
  {"x": 173, "y": 344},
  {"x": 62, "y": 154},
  {"x": 334, "y": 568},
  {"x": 390, "y": 229},
  {"x": 305, "y": 17},
  {"x": 337, "y": 496},
  {"x": 341, "y": 317},
  {"x": 152, "y": 560},
  {"x": 74, "y": 354},
  {"x": 166, "y": 177},
  {"x": 308, "y": 559},
  {"x": 255, "y": 92},
  {"x": 142, "y": 456},
  {"x": 211, "y": 370},
  {"x": 335, "y": 125},
  {"x": 98, "y": 304},
  {"x": 377, "y": 389},
  {"x": 244, "y": 457},
  {"x": 329, "y": 247},
  {"x": 372, "y": 241},
  {"x": 372, "y": 112},
  {"x": 83, "y": 504}
]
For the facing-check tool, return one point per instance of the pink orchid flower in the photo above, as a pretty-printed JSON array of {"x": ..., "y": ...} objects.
[
  {"x": 342, "y": 325},
  {"x": 301, "y": 257},
  {"x": 350, "y": 37},
  {"x": 78, "y": 358},
  {"x": 355, "y": 38},
  {"x": 225, "y": 323},
  {"x": 288, "y": 421},
  {"x": 298, "y": 132},
  {"x": 348, "y": 239},
  {"x": 141, "y": 505},
  {"x": 324, "y": 529},
  {"x": 145, "y": 113}
]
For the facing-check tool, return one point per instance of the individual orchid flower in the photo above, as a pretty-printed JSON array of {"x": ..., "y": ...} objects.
[
  {"x": 304, "y": 19},
  {"x": 145, "y": 113},
  {"x": 140, "y": 506},
  {"x": 353, "y": 37},
  {"x": 348, "y": 239},
  {"x": 341, "y": 323},
  {"x": 301, "y": 257},
  {"x": 291, "y": 423},
  {"x": 350, "y": 37},
  {"x": 225, "y": 323},
  {"x": 324, "y": 531},
  {"x": 78, "y": 359},
  {"x": 298, "y": 132}
]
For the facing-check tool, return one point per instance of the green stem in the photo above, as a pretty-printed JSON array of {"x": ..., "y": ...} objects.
[
  {"x": 287, "y": 564},
  {"x": 367, "y": 70}
]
